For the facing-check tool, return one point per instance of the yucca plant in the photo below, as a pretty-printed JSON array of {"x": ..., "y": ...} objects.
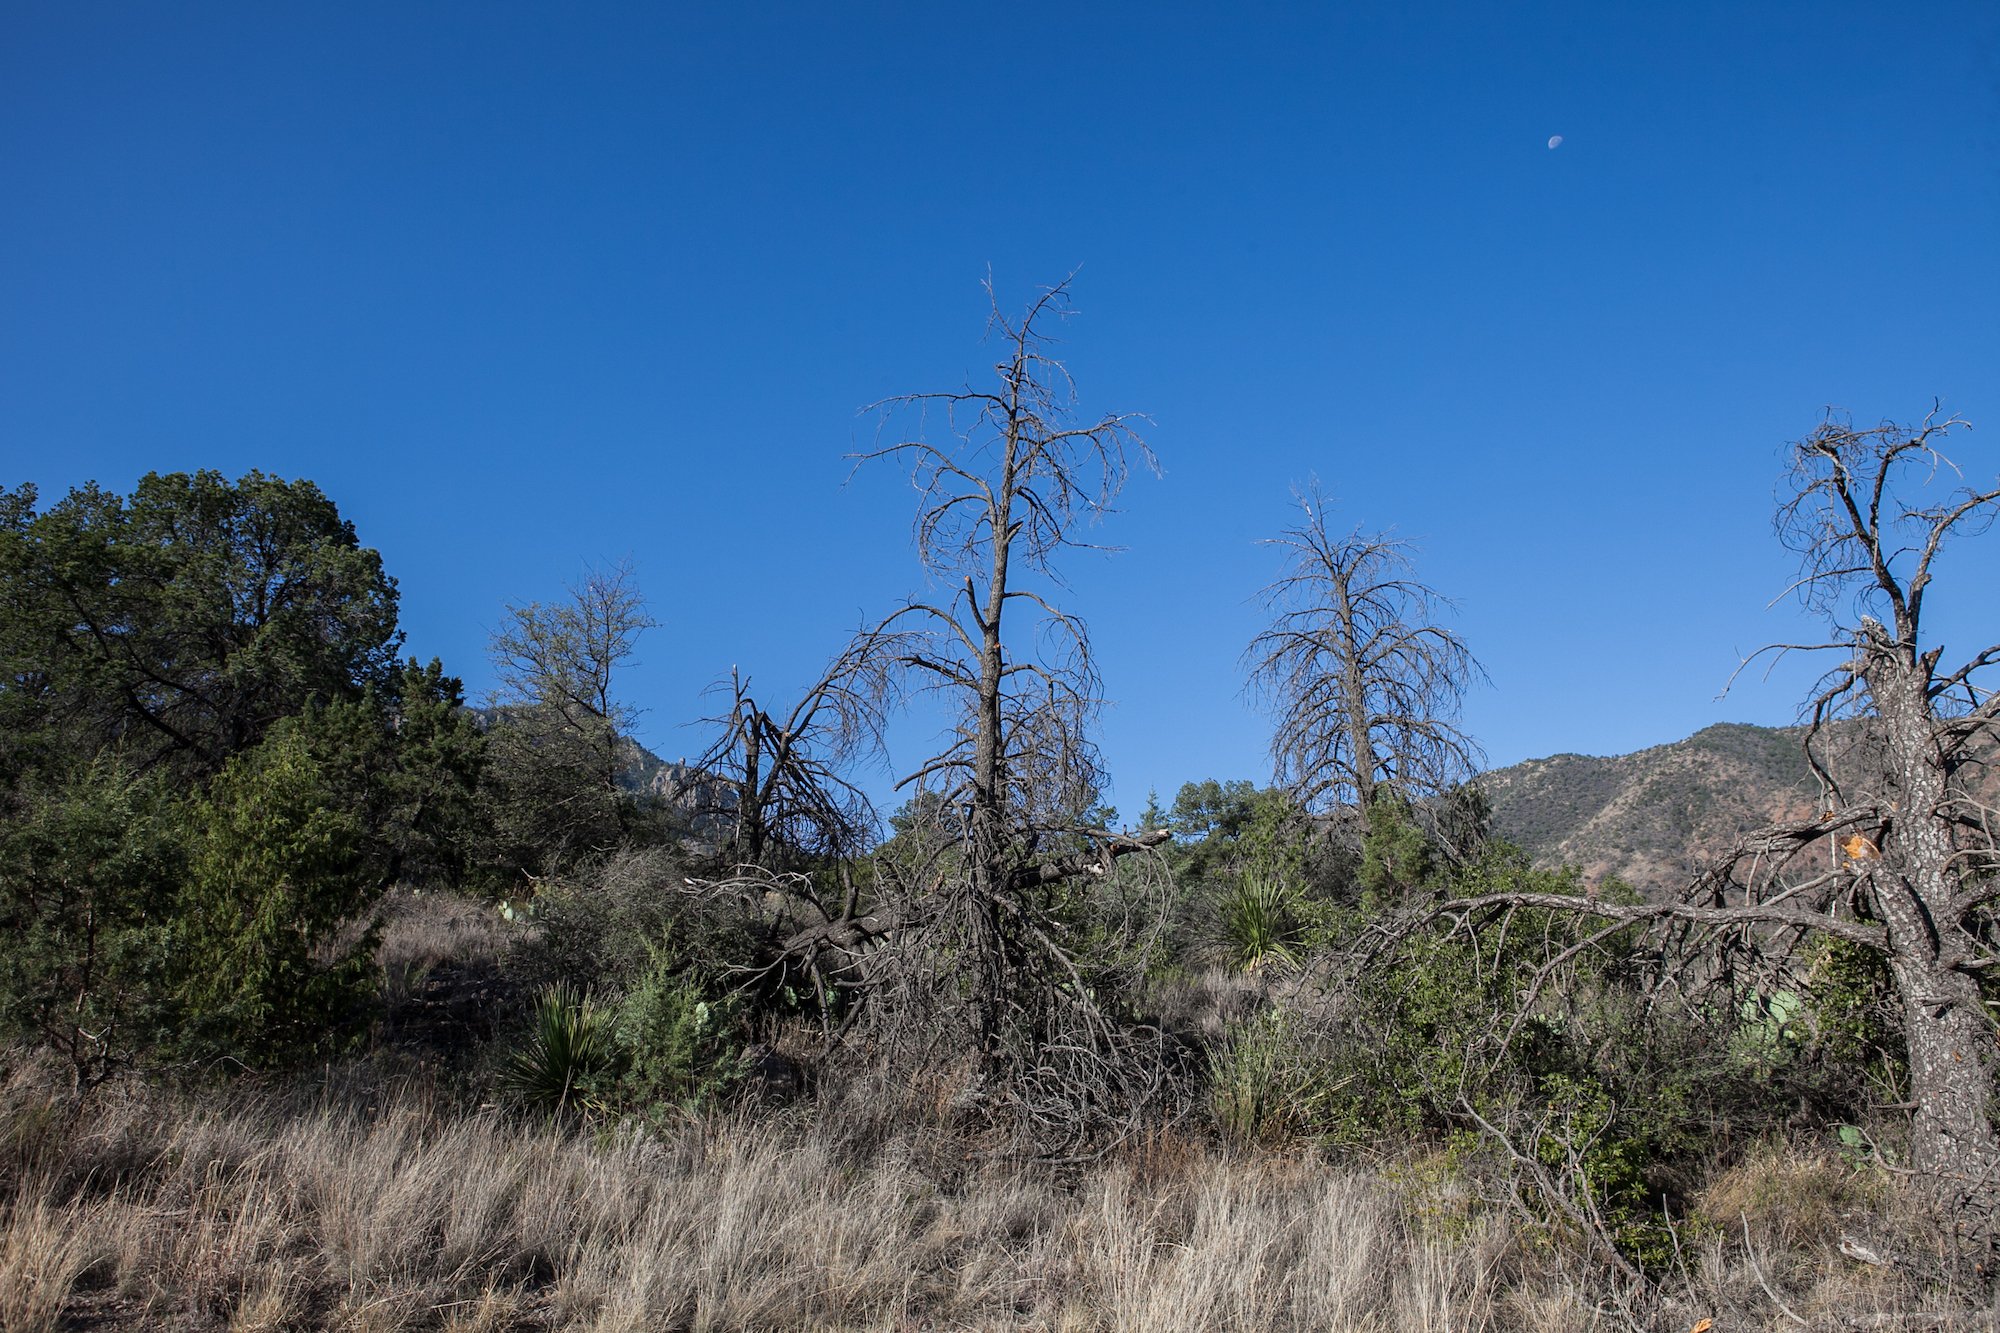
[
  {"x": 569, "y": 1055},
  {"x": 1259, "y": 922}
]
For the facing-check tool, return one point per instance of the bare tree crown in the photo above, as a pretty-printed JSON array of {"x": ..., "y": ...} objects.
[
  {"x": 1016, "y": 471},
  {"x": 1869, "y": 513},
  {"x": 1009, "y": 482},
  {"x": 1364, "y": 683},
  {"x": 787, "y": 771},
  {"x": 1859, "y": 519}
]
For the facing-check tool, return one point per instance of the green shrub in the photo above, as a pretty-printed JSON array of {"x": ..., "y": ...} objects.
[
  {"x": 1856, "y": 1022},
  {"x": 1536, "y": 1025},
  {"x": 272, "y": 968},
  {"x": 676, "y": 1046},
  {"x": 665, "y": 1044},
  {"x": 1396, "y": 854},
  {"x": 1265, "y": 1085},
  {"x": 597, "y": 926},
  {"x": 91, "y": 862},
  {"x": 1260, "y": 921},
  {"x": 568, "y": 1060}
]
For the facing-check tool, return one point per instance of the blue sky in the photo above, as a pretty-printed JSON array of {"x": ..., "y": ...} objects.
[{"x": 529, "y": 287}]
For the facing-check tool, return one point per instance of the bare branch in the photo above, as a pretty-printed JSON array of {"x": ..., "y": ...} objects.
[
  {"x": 1364, "y": 684},
  {"x": 1752, "y": 914},
  {"x": 965, "y": 939}
]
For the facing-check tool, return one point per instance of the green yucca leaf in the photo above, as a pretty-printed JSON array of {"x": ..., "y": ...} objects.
[
  {"x": 1259, "y": 923},
  {"x": 568, "y": 1053}
]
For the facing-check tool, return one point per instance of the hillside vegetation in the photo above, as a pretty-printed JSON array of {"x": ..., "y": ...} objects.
[
  {"x": 1656, "y": 817},
  {"x": 331, "y": 1000}
]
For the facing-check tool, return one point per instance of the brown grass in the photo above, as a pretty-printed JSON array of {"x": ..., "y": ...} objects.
[
  {"x": 342, "y": 1212},
  {"x": 1773, "y": 1227},
  {"x": 422, "y": 933}
]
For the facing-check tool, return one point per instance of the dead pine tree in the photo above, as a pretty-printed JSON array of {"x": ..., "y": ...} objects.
[
  {"x": 784, "y": 774},
  {"x": 962, "y": 945},
  {"x": 1364, "y": 682},
  {"x": 1920, "y": 850},
  {"x": 1916, "y": 867}
]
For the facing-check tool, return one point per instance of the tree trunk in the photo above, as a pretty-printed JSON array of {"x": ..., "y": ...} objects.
[
  {"x": 1354, "y": 685},
  {"x": 1952, "y": 1068},
  {"x": 749, "y": 804},
  {"x": 1952, "y": 1051}
]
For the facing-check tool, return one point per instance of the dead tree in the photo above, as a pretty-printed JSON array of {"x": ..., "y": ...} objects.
[
  {"x": 1002, "y": 497},
  {"x": 785, "y": 773},
  {"x": 1921, "y": 850},
  {"x": 963, "y": 944},
  {"x": 1902, "y": 861},
  {"x": 1364, "y": 682}
]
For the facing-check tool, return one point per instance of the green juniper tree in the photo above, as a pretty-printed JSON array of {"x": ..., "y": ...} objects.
[{"x": 211, "y": 764}]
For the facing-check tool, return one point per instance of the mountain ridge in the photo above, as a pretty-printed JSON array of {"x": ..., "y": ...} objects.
[{"x": 1655, "y": 817}]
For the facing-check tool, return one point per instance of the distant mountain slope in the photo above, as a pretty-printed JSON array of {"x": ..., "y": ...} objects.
[{"x": 1656, "y": 817}]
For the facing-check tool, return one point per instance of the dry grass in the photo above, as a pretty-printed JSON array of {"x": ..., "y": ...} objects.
[
  {"x": 152, "y": 1212},
  {"x": 424, "y": 932},
  {"x": 43, "y": 1254},
  {"x": 1785, "y": 1225},
  {"x": 444, "y": 982},
  {"x": 1207, "y": 1002}
]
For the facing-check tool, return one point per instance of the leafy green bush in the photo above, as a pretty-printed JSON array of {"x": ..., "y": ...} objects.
[
  {"x": 271, "y": 968},
  {"x": 546, "y": 795},
  {"x": 1396, "y": 855},
  {"x": 91, "y": 860},
  {"x": 1855, "y": 1051},
  {"x": 229, "y": 924},
  {"x": 677, "y": 1047},
  {"x": 1534, "y": 1027}
]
